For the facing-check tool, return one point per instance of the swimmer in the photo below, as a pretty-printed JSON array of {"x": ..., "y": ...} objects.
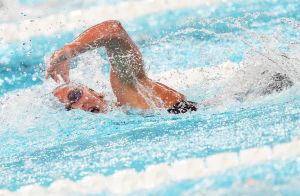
[{"x": 130, "y": 84}]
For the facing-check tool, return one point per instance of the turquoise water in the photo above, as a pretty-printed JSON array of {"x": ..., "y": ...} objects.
[
  {"x": 41, "y": 143},
  {"x": 31, "y": 2}
]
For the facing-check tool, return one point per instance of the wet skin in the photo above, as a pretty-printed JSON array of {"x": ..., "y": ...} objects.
[{"x": 89, "y": 99}]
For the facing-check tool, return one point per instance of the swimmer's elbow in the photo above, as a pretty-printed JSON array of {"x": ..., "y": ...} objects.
[
  {"x": 115, "y": 23},
  {"x": 114, "y": 28}
]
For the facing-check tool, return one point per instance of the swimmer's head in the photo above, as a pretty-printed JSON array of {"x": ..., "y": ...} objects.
[{"x": 75, "y": 96}]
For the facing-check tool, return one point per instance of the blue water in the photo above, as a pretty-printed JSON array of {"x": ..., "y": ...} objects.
[{"x": 41, "y": 144}]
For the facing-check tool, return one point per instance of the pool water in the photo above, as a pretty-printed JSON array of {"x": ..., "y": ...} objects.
[{"x": 209, "y": 51}]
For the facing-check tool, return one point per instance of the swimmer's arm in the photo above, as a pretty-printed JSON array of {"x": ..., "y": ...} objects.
[
  {"x": 97, "y": 36},
  {"x": 109, "y": 34}
]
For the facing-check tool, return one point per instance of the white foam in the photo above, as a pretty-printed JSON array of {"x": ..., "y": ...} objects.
[
  {"x": 207, "y": 77},
  {"x": 229, "y": 84},
  {"x": 127, "y": 181},
  {"x": 78, "y": 19}
]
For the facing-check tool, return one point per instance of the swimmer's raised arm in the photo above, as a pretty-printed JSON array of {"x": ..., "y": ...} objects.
[
  {"x": 94, "y": 37},
  {"x": 109, "y": 34}
]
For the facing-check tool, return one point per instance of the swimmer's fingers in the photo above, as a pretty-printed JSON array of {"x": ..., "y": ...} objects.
[
  {"x": 59, "y": 70},
  {"x": 49, "y": 71},
  {"x": 65, "y": 76},
  {"x": 55, "y": 77},
  {"x": 47, "y": 75},
  {"x": 65, "y": 68}
]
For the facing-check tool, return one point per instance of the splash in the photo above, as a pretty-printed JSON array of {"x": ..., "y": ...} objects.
[{"x": 217, "y": 53}]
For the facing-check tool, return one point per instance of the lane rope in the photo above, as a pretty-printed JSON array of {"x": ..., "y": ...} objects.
[{"x": 127, "y": 181}]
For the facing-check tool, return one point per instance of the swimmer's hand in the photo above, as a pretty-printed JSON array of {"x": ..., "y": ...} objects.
[{"x": 59, "y": 66}]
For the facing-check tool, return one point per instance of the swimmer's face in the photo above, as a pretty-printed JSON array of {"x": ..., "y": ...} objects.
[{"x": 81, "y": 97}]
